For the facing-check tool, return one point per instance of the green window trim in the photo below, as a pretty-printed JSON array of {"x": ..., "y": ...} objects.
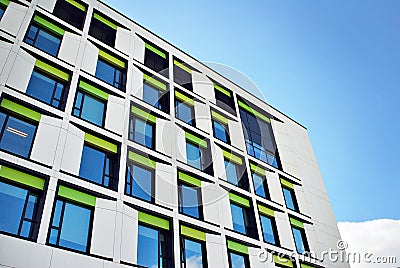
[
  {"x": 21, "y": 177},
  {"x": 153, "y": 220},
  {"x": 92, "y": 90},
  {"x": 182, "y": 66},
  {"x": 184, "y": 98},
  {"x": 232, "y": 158},
  {"x": 111, "y": 59},
  {"x": 296, "y": 223},
  {"x": 193, "y": 233},
  {"x": 77, "y": 5},
  {"x": 76, "y": 196},
  {"x": 48, "y": 25},
  {"x": 222, "y": 90},
  {"x": 21, "y": 110},
  {"x": 50, "y": 70},
  {"x": 156, "y": 50},
  {"x": 4, "y": 2},
  {"x": 154, "y": 82},
  {"x": 142, "y": 114},
  {"x": 105, "y": 21},
  {"x": 257, "y": 169},
  {"x": 237, "y": 247},
  {"x": 254, "y": 112},
  {"x": 100, "y": 143},
  {"x": 196, "y": 140},
  {"x": 287, "y": 184},
  {"x": 189, "y": 179},
  {"x": 142, "y": 160},
  {"x": 303, "y": 265},
  {"x": 282, "y": 261},
  {"x": 219, "y": 118},
  {"x": 239, "y": 200},
  {"x": 266, "y": 211}
]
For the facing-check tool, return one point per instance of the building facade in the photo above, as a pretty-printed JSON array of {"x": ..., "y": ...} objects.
[{"x": 119, "y": 150}]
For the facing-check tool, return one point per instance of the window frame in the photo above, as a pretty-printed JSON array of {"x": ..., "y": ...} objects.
[
  {"x": 164, "y": 72},
  {"x": 177, "y": 104},
  {"x": 183, "y": 251},
  {"x": 104, "y": 28},
  {"x": 40, "y": 28},
  {"x": 199, "y": 199},
  {"x": 264, "y": 185},
  {"x": 293, "y": 197},
  {"x": 84, "y": 94},
  {"x": 245, "y": 256},
  {"x": 303, "y": 238},
  {"x": 161, "y": 95},
  {"x": 130, "y": 164},
  {"x": 132, "y": 124},
  {"x": 226, "y": 131},
  {"x": 121, "y": 85},
  {"x": 69, "y": 12},
  {"x": 274, "y": 230}
]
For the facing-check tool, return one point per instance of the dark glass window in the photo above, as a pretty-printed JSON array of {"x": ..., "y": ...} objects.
[
  {"x": 47, "y": 89},
  {"x": 111, "y": 74},
  {"x": 19, "y": 210},
  {"x": 156, "y": 59},
  {"x": 99, "y": 167},
  {"x": 102, "y": 31},
  {"x": 238, "y": 260},
  {"x": 220, "y": 131},
  {"x": 142, "y": 132},
  {"x": 193, "y": 254},
  {"x": 190, "y": 200},
  {"x": 89, "y": 108},
  {"x": 156, "y": 97},
  {"x": 269, "y": 230},
  {"x": 181, "y": 75},
  {"x": 225, "y": 100},
  {"x": 43, "y": 39},
  {"x": 290, "y": 199},
  {"x": 71, "y": 226},
  {"x": 260, "y": 185},
  {"x": 140, "y": 182},
  {"x": 300, "y": 240},
  {"x": 184, "y": 112},
  {"x": 16, "y": 135},
  {"x": 73, "y": 14}
]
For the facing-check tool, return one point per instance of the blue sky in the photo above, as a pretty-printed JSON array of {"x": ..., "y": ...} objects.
[{"x": 334, "y": 66}]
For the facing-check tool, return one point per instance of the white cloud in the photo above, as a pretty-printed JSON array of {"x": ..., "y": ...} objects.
[{"x": 378, "y": 237}]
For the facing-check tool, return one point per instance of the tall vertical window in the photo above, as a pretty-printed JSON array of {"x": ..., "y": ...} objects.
[
  {"x": 103, "y": 29},
  {"x": 189, "y": 195},
  {"x": 235, "y": 170},
  {"x": 156, "y": 93},
  {"x": 71, "y": 11},
  {"x": 17, "y": 131},
  {"x": 183, "y": 74},
  {"x": 99, "y": 162},
  {"x": 259, "y": 181},
  {"x": 220, "y": 127},
  {"x": 111, "y": 70},
  {"x": 289, "y": 195},
  {"x": 140, "y": 177},
  {"x": 21, "y": 202},
  {"x": 224, "y": 99},
  {"x": 260, "y": 141},
  {"x": 154, "y": 242},
  {"x": 72, "y": 220},
  {"x": 242, "y": 216},
  {"x": 90, "y": 104},
  {"x": 44, "y": 35},
  {"x": 142, "y": 127},
  {"x": 198, "y": 154},
  {"x": 238, "y": 255},
  {"x": 193, "y": 248},
  {"x": 299, "y": 235},
  {"x": 156, "y": 59},
  {"x": 268, "y": 225},
  {"x": 184, "y": 108}
]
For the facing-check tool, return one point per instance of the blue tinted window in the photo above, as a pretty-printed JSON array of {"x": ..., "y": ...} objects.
[
  {"x": 143, "y": 133},
  {"x": 238, "y": 219},
  {"x": 151, "y": 95},
  {"x": 289, "y": 199},
  {"x": 237, "y": 261},
  {"x": 43, "y": 40},
  {"x": 231, "y": 172},
  {"x": 140, "y": 182},
  {"x": 220, "y": 131},
  {"x": 259, "y": 185},
  {"x": 17, "y": 135},
  {"x": 189, "y": 201},
  {"x": 2, "y": 10},
  {"x": 147, "y": 247},
  {"x": 89, "y": 108},
  {"x": 110, "y": 74},
  {"x": 298, "y": 240},
  {"x": 267, "y": 230},
  {"x": 193, "y": 155},
  {"x": 184, "y": 112},
  {"x": 193, "y": 255}
]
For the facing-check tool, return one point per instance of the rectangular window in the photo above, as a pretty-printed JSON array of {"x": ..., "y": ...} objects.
[
  {"x": 90, "y": 104},
  {"x": 220, "y": 127},
  {"x": 140, "y": 177},
  {"x": 259, "y": 181},
  {"x": 299, "y": 235},
  {"x": 289, "y": 194},
  {"x": 189, "y": 194},
  {"x": 156, "y": 59},
  {"x": 44, "y": 35},
  {"x": 99, "y": 162},
  {"x": 183, "y": 74},
  {"x": 198, "y": 154},
  {"x": 21, "y": 203},
  {"x": 103, "y": 29},
  {"x": 224, "y": 99},
  {"x": 156, "y": 93},
  {"x": 184, "y": 108},
  {"x": 235, "y": 170},
  {"x": 193, "y": 248},
  {"x": 72, "y": 220},
  {"x": 238, "y": 255},
  {"x": 3, "y": 7},
  {"x": 268, "y": 225},
  {"x": 111, "y": 70},
  {"x": 142, "y": 128},
  {"x": 242, "y": 216},
  {"x": 71, "y": 11}
]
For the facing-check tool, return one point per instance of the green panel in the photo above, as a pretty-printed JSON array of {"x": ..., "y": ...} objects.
[
  {"x": 266, "y": 211},
  {"x": 219, "y": 118},
  {"x": 254, "y": 112},
  {"x": 21, "y": 177},
  {"x": 296, "y": 223},
  {"x": 142, "y": 114},
  {"x": 76, "y": 4},
  {"x": 77, "y": 196},
  {"x": 21, "y": 110},
  {"x": 189, "y": 179},
  {"x": 183, "y": 67},
  {"x": 50, "y": 70},
  {"x": 238, "y": 247},
  {"x": 105, "y": 21},
  {"x": 184, "y": 98},
  {"x": 153, "y": 220},
  {"x": 223, "y": 90},
  {"x": 100, "y": 143},
  {"x": 93, "y": 90},
  {"x": 258, "y": 170},
  {"x": 239, "y": 200},
  {"x": 154, "y": 82},
  {"x": 287, "y": 184},
  {"x": 303, "y": 265},
  {"x": 193, "y": 233},
  {"x": 196, "y": 140},
  {"x": 4, "y": 2},
  {"x": 49, "y": 26},
  {"x": 283, "y": 261},
  {"x": 111, "y": 59},
  {"x": 140, "y": 159},
  {"x": 233, "y": 158},
  {"x": 155, "y": 50}
]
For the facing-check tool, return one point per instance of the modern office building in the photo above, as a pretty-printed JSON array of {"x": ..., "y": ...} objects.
[{"x": 117, "y": 149}]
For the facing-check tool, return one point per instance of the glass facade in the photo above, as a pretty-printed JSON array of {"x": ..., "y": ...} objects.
[
  {"x": 192, "y": 255},
  {"x": 43, "y": 40},
  {"x": 268, "y": 229},
  {"x": 111, "y": 74},
  {"x": 140, "y": 182},
  {"x": 142, "y": 132},
  {"x": 220, "y": 131},
  {"x": 189, "y": 200},
  {"x": 89, "y": 108},
  {"x": 184, "y": 112},
  {"x": 260, "y": 186}
]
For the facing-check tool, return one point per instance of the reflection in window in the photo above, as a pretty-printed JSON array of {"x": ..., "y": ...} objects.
[
  {"x": 192, "y": 254},
  {"x": 184, "y": 112},
  {"x": 231, "y": 172},
  {"x": 300, "y": 240},
  {"x": 43, "y": 40},
  {"x": 141, "y": 132},
  {"x": 103, "y": 29},
  {"x": 156, "y": 97},
  {"x": 193, "y": 155},
  {"x": 156, "y": 59},
  {"x": 73, "y": 13},
  {"x": 189, "y": 200},
  {"x": 89, "y": 108},
  {"x": 268, "y": 229},
  {"x": 238, "y": 261},
  {"x": 290, "y": 199},
  {"x": 238, "y": 219},
  {"x": 111, "y": 74},
  {"x": 140, "y": 182},
  {"x": 220, "y": 131},
  {"x": 260, "y": 185}
]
